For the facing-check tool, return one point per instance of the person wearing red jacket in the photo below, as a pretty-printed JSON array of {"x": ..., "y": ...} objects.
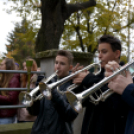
[{"x": 8, "y": 80}]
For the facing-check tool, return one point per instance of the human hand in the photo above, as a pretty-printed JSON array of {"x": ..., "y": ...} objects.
[
  {"x": 119, "y": 83},
  {"x": 34, "y": 78},
  {"x": 110, "y": 67},
  {"x": 77, "y": 67},
  {"x": 80, "y": 76}
]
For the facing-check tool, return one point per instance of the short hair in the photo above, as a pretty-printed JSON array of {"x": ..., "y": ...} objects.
[
  {"x": 10, "y": 64},
  {"x": 66, "y": 54},
  {"x": 114, "y": 42},
  {"x": 6, "y": 77}
]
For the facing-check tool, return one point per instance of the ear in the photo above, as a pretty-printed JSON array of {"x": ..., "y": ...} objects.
[{"x": 117, "y": 54}]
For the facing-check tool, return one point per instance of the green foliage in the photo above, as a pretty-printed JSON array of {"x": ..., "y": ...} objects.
[
  {"x": 124, "y": 59},
  {"x": 21, "y": 42},
  {"x": 23, "y": 8},
  {"x": 83, "y": 28},
  {"x": 108, "y": 17}
]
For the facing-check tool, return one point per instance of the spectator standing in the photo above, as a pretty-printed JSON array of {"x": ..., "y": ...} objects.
[
  {"x": 17, "y": 66},
  {"x": 8, "y": 80},
  {"x": 23, "y": 114}
]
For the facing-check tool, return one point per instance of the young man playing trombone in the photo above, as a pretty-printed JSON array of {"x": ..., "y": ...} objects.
[
  {"x": 107, "y": 117},
  {"x": 124, "y": 86},
  {"x": 55, "y": 116}
]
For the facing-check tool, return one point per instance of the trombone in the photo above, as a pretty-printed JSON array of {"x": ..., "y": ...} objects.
[
  {"x": 76, "y": 100},
  {"x": 44, "y": 87},
  {"x": 96, "y": 72},
  {"x": 27, "y": 98}
]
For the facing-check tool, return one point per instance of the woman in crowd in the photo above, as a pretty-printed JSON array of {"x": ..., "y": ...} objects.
[
  {"x": 23, "y": 115},
  {"x": 17, "y": 66},
  {"x": 8, "y": 80}
]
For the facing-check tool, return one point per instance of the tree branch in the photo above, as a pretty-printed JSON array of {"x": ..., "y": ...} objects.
[
  {"x": 77, "y": 29},
  {"x": 71, "y": 8}
]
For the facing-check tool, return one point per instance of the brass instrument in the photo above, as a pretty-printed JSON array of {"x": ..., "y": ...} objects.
[
  {"x": 44, "y": 86},
  {"x": 76, "y": 100},
  {"x": 97, "y": 70},
  {"x": 27, "y": 98}
]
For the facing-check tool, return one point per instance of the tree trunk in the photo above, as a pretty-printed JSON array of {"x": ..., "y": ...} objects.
[
  {"x": 54, "y": 14},
  {"x": 52, "y": 26}
]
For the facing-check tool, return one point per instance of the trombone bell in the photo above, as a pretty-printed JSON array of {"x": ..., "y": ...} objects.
[
  {"x": 45, "y": 91},
  {"x": 74, "y": 101},
  {"x": 25, "y": 99}
]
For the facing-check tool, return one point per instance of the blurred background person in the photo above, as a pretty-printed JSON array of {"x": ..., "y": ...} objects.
[
  {"x": 17, "y": 67},
  {"x": 8, "y": 80},
  {"x": 23, "y": 115}
]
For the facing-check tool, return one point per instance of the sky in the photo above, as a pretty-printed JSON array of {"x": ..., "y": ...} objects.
[{"x": 6, "y": 25}]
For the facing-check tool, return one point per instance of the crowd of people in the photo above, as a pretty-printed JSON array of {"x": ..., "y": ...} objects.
[
  {"x": 16, "y": 80},
  {"x": 56, "y": 115}
]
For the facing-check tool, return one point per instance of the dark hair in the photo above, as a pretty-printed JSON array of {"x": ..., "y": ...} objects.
[
  {"x": 6, "y": 77},
  {"x": 66, "y": 54},
  {"x": 113, "y": 41},
  {"x": 10, "y": 64}
]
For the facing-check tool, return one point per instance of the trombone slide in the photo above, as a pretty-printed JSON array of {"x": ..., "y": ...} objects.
[{"x": 75, "y": 100}]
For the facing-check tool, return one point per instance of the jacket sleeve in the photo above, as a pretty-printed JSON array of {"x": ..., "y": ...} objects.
[
  {"x": 88, "y": 82},
  {"x": 63, "y": 107},
  {"x": 34, "y": 109},
  {"x": 90, "y": 79},
  {"x": 12, "y": 96},
  {"x": 127, "y": 95}
]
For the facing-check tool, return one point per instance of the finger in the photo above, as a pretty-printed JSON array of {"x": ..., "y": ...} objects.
[
  {"x": 79, "y": 67},
  {"x": 108, "y": 73},
  {"x": 108, "y": 68},
  {"x": 128, "y": 74},
  {"x": 113, "y": 65},
  {"x": 75, "y": 68},
  {"x": 118, "y": 78},
  {"x": 77, "y": 81},
  {"x": 110, "y": 84}
]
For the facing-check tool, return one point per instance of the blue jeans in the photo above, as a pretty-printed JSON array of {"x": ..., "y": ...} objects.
[{"x": 7, "y": 120}]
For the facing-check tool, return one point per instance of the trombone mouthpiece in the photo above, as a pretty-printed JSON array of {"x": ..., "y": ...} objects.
[{"x": 56, "y": 71}]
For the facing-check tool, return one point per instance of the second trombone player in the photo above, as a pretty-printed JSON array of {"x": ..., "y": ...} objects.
[{"x": 107, "y": 117}]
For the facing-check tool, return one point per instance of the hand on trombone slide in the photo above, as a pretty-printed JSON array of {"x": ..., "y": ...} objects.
[
  {"x": 80, "y": 76},
  {"x": 119, "y": 82}
]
